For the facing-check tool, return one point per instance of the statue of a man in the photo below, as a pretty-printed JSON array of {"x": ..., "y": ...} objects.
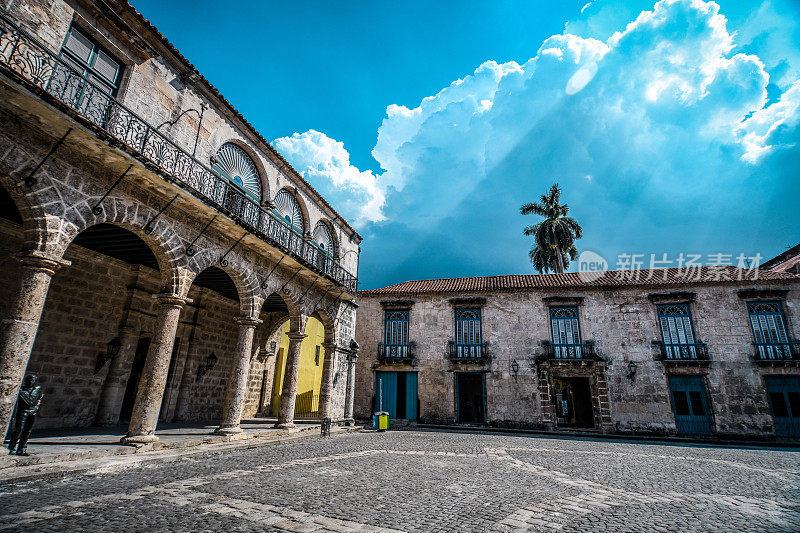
[{"x": 30, "y": 398}]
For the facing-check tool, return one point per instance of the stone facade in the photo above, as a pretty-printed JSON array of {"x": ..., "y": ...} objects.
[
  {"x": 622, "y": 326},
  {"x": 67, "y": 168}
]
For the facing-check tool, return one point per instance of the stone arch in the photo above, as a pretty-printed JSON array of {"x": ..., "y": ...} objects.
[
  {"x": 334, "y": 237},
  {"x": 246, "y": 282},
  {"x": 293, "y": 191},
  {"x": 328, "y": 322},
  {"x": 132, "y": 216},
  {"x": 34, "y": 219},
  {"x": 266, "y": 197}
]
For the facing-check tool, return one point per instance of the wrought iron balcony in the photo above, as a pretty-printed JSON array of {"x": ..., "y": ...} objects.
[
  {"x": 777, "y": 351},
  {"x": 569, "y": 351},
  {"x": 697, "y": 351},
  {"x": 401, "y": 354},
  {"x": 23, "y": 56},
  {"x": 467, "y": 353}
]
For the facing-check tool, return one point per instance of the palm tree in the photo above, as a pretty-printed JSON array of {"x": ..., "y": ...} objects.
[{"x": 555, "y": 235}]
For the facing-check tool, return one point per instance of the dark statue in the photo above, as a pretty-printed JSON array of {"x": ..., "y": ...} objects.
[{"x": 30, "y": 398}]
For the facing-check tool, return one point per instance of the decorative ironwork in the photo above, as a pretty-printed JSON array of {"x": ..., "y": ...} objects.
[
  {"x": 288, "y": 209},
  {"x": 234, "y": 163},
  {"x": 274, "y": 268},
  {"x": 302, "y": 300},
  {"x": 30, "y": 181},
  {"x": 97, "y": 209},
  {"x": 190, "y": 251},
  {"x": 695, "y": 351},
  {"x": 582, "y": 350},
  {"x": 223, "y": 261},
  {"x": 777, "y": 351},
  {"x": 563, "y": 312},
  {"x": 324, "y": 238},
  {"x": 468, "y": 353},
  {"x": 290, "y": 279},
  {"x": 202, "y": 111},
  {"x": 397, "y": 353},
  {"x": 151, "y": 224},
  {"x": 763, "y": 307},
  {"x": 324, "y": 294},
  {"x": 24, "y": 57}
]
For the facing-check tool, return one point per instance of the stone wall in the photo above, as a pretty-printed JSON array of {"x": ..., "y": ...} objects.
[{"x": 622, "y": 323}]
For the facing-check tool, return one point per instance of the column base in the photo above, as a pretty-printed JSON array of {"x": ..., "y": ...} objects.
[
  {"x": 284, "y": 425},
  {"x": 349, "y": 421},
  {"x": 229, "y": 430},
  {"x": 133, "y": 440}
]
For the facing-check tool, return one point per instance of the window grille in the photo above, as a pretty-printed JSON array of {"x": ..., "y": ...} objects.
[
  {"x": 566, "y": 332},
  {"x": 769, "y": 330},
  {"x": 677, "y": 333},
  {"x": 469, "y": 341}
]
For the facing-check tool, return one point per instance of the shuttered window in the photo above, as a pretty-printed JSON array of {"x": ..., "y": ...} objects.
[
  {"x": 677, "y": 333},
  {"x": 86, "y": 57}
]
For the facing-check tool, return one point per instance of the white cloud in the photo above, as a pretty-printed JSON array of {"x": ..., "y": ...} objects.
[{"x": 326, "y": 164}]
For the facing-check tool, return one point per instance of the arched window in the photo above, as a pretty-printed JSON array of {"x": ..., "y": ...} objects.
[
  {"x": 287, "y": 208},
  {"x": 323, "y": 238},
  {"x": 234, "y": 164}
]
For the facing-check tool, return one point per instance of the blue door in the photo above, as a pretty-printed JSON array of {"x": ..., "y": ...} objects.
[
  {"x": 386, "y": 393},
  {"x": 411, "y": 395},
  {"x": 690, "y": 404},
  {"x": 784, "y": 399}
]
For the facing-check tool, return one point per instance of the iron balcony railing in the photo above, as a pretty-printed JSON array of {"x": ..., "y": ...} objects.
[
  {"x": 581, "y": 350},
  {"x": 780, "y": 351},
  {"x": 467, "y": 353},
  {"x": 396, "y": 353},
  {"x": 23, "y": 55},
  {"x": 697, "y": 351}
]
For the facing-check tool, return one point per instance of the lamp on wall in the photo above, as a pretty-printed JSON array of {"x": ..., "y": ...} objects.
[
  {"x": 632, "y": 371},
  {"x": 514, "y": 367},
  {"x": 211, "y": 360},
  {"x": 112, "y": 350}
]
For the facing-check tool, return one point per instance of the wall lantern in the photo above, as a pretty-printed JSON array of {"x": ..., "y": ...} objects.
[
  {"x": 211, "y": 360},
  {"x": 112, "y": 350},
  {"x": 514, "y": 367},
  {"x": 632, "y": 371}
]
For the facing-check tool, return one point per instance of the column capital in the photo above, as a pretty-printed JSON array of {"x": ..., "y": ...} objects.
[
  {"x": 172, "y": 300},
  {"x": 48, "y": 263},
  {"x": 248, "y": 321},
  {"x": 331, "y": 347},
  {"x": 296, "y": 336}
]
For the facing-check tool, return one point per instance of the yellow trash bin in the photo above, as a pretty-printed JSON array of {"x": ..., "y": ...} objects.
[{"x": 380, "y": 421}]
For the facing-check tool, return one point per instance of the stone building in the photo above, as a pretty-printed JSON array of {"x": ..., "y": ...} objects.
[
  {"x": 161, "y": 261},
  {"x": 704, "y": 351}
]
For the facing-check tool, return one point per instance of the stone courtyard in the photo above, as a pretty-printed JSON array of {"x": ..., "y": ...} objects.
[{"x": 427, "y": 481}]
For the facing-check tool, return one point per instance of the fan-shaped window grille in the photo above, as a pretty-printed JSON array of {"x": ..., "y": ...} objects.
[
  {"x": 323, "y": 238},
  {"x": 288, "y": 209},
  {"x": 234, "y": 164}
]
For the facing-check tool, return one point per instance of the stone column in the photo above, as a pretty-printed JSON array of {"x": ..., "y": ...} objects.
[
  {"x": 189, "y": 374},
  {"x": 18, "y": 330},
  {"x": 352, "y": 358},
  {"x": 290, "y": 376},
  {"x": 154, "y": 374},
  {"x": 237, "y": 382},
  {"x": 326, "y": 387},
  {"x": 116, "y": 381}
]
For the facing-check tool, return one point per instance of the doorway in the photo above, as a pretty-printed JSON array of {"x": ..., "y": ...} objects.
[
  {"x": 784, "y": 400},
  {"x": 137, "y": 366},
  {"x": 573, "y": 401},
  {"x": 396, "y": 394},
  {"x": 690, "y": 404},
  {"x": 470, "y": 398}
]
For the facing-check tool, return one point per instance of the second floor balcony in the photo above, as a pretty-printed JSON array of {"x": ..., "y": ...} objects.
[
  {"x": 26, "y": 59},
  {"x": 776, "y": 351},
  {"x": 582, "y": 351},
  {"x": 397, "y": 354},
  {"x": 467, "y": 353},
  {"x": 682, "y": 352}
]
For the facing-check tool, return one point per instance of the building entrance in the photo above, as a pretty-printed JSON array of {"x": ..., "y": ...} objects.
[
  {"x": 470, "y": 398},
  {"x": 573, "y": 400}
]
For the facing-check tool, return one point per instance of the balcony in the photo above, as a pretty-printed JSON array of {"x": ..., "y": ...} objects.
[
  {"x": 576, "y": 353},
  {"x": 397, "y": 354},
  {"x": 688, "y": 353},
  {"x": 23, "y": 57},
  {"x": 467, "y": 353},
  {"x": 776, "y": 351}
]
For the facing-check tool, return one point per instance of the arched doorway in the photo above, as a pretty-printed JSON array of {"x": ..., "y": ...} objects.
[
  {"x": 309, "y": 381},
  {"x": 11, "y": 242}
]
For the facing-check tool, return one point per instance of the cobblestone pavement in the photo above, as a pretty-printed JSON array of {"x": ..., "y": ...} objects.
[{"x": 427, "y": 481}]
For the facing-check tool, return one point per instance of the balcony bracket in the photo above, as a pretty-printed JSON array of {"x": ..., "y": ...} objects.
[
  {"x": 264, "y": 283},
  {"x": 190, "y": 251},
  {"x": 151, "y": 224},
  {"x": 30, "y": 181},
  {"x": 223, "y": 261},
  {"x": 97, "y": 209},
  {"x": 302, "y": 298},
  {"x": 324, "y": 294},
  {"x": 290, "y": 279}
]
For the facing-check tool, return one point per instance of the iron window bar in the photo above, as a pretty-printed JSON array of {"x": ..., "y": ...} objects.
[
  {"x": 580, "y": 350},
  {"x": 24, "y": 56},
  {"x": 777, "y": 351},
  {"x": 396, "y": 353}
]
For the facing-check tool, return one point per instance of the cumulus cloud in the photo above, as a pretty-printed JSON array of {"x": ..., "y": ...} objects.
[
  {"x": 659, "y": 111},
  {"x": 326, "y": 164}
]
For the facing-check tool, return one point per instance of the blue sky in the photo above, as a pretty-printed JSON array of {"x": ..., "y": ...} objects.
[{"x": 671, "y": 127}]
